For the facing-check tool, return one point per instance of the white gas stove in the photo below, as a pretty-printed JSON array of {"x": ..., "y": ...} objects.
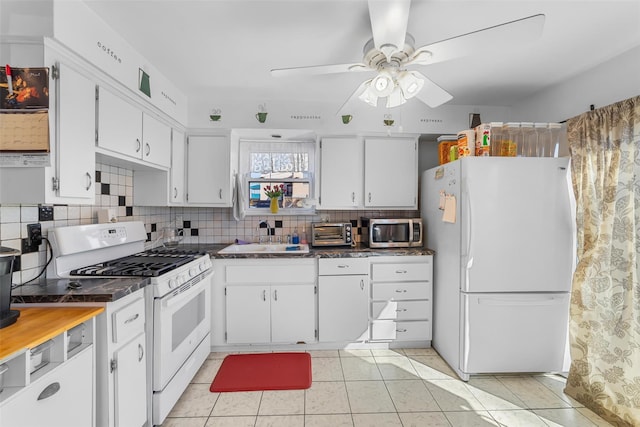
[
  {"x": 179, "y": 323},
  {"x": 118, "y": 250}
]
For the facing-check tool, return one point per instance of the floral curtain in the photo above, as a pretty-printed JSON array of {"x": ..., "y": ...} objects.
[{"x": 605, "y": 303}]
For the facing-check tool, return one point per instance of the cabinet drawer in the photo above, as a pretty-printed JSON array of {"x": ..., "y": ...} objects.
[
  {"x": 128, "y": 321},
  {"x": 343, "y": 266},
  {"x": 401, "y": 272},
  {"x": 401, "y": 331},
  {"x": 401, "y": 310},
  {"x": 401, "y": 291}
]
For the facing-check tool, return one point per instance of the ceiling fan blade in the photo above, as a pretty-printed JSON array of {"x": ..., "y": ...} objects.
[
  {"x": 503, "y": 36},
  {"x": 389, "y": 20},
  {"x": 319, "y": 69},
  {"x": 431, "y": 94},
  {"x": 354, "y": 96}
]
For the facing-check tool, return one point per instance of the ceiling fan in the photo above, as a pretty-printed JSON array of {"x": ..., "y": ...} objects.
[{"x": 392, "y": 50}]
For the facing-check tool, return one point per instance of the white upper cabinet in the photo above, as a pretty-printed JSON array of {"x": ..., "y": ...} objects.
[
  {"x": 370, "y": 173},
  {"x": 208, "y": 171},
  {"x": 341, "y": 177},
  {"x": 156, "y": 141},
  {"x": 125, "y": 130},
  {"x": 177, "y": 196},
  {"x": 391, "y": 173},
  {"x": 76, "y": 126},
  {"x": 119, "y": 125},
  {"x": 70, "y": 178}
]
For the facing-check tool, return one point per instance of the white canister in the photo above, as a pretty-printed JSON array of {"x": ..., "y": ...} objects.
[{"x": 466, "y": 143}]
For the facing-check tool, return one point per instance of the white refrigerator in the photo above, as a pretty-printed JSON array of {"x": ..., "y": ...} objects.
[{"x": 503, "y": 231}]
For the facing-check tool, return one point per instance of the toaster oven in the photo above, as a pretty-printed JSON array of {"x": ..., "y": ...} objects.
[{"x": 331, "y": 234}]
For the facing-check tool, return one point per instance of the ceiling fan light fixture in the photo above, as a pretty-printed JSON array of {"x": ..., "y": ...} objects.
[
  {"x": 396, "y": 98},
  {"x": 382, "y": 85},
  {"x": 410, "y": 84},
  {"x": 369, "y": 96}
]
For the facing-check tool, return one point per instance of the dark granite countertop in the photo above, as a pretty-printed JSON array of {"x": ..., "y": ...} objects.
[
  {"x": 91, "y": 290},
  {"x": 359, "y": 251},
  {"x": 111, "y": 289}
]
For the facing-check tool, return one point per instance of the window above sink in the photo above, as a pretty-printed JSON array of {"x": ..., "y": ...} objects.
[{"x": 287, "y": 163}]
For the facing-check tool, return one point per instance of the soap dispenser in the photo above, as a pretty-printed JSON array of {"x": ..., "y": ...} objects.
[{"x": 295, "y": 239}]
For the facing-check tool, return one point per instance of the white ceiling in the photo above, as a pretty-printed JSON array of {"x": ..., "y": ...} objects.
[{"x": 224, "y": 49}]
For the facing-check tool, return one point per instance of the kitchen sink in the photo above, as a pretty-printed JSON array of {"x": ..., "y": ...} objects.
[{"x": 262, "y": 248}]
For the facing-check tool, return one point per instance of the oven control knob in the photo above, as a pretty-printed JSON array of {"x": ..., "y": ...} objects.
[
  {"x": 180, "y": 279},
  {"x": 202, "y": 266},
  {"x": 172, "y": 283},
  {"x": 192, "y": 272}
]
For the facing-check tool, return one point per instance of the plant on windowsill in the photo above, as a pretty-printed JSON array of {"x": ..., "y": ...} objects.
[{"x": 274, "y": 193}]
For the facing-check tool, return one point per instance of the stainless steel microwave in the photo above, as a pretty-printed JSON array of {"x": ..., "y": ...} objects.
[
  {"x": 331, "y": 234},
  {"x": 393, "y": 233}
]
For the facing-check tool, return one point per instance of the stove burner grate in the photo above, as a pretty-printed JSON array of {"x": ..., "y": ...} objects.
[{"x": 150, "y": 263}]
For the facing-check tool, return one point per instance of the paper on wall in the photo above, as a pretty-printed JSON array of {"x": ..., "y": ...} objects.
[{"x": 449, "y": 214}]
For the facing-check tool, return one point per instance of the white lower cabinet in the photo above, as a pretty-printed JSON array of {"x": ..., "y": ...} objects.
[
  {"x": 343, "y": 299},
  {"x": 268, "y": 300},
  {"x": 266, "y": 314},
  {"x": 62, "y": 397},
  {"x": 401, "y": 298},
  {"x": 121, "y": 358}
]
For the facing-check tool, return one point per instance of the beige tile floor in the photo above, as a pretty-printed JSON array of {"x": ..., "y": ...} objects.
[{"x": 401, "y": 387}]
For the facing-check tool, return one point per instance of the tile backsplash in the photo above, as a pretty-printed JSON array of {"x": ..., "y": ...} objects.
[{"x": 114, "y": 190}]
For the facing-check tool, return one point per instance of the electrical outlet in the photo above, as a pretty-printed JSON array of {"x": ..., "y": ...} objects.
[
  {"x": 45, "y": 213},
  {"x": 34, "y": 236}
]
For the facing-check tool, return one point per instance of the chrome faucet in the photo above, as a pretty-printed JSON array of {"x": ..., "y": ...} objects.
[{"x": 269, "y": 232}]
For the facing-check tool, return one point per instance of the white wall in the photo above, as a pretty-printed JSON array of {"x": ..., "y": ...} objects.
[{"x": 605, "y": 84}]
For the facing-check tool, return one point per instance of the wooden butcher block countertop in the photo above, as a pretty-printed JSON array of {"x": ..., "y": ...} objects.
[{"x": 39, "y": 324}]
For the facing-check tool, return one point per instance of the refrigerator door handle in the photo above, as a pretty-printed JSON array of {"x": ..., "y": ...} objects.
[
  {"x": 496, "y": 301},
  {"x": 468, "y": 262}
]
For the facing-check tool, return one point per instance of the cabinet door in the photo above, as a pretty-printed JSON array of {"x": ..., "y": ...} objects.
[
  {"x": 62, "y": 397},
  {"x": 342, "y": 308},
  {"x": 391, "y": 173},
  {"x": 248, "y": 311},
  {"x": 177, "y": 168},
  {"x": 119, "y": 125},
  {"x": 156, "y": 141},
  {"x": 131, "y": 384},
  {"x": 76, "y": 127},
  {"x": 341, "y": 181},
  {"x": 293, "y": 314},
  {"x": 208, "y": 177}
]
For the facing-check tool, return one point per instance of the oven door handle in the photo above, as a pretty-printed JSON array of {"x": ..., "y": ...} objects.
[{"x": 170, "y": 300}]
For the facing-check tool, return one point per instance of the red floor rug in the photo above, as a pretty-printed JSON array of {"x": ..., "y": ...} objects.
[{"x": 263, "y": 371}]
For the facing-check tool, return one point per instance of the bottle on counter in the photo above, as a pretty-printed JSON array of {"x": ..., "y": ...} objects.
[
  {"x": 295, "y": 238},
  {"x": 303, "y": 236}
]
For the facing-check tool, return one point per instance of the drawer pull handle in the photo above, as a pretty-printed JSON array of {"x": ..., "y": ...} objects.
[
  {"x": 140, "y": 352},
  {"x": 275, "y": 295},
  {"x": 401, "y": 271},
  {"x": 400, "y": 310},
  {"x": 138, "y": 145},
  {"x": 401, "y": 291},
  {"x": 148, "y": 149},
  {"x": 362, "y": 284},
  {"x": 343, "y": 266},
  {"x": 132, "y": 318},
  {"x": 89, "y": 180},
  {"x": 401, "y": 330},
  {"x": 264, "y": 295},
  {"x": 49, "y": 391},
  {"x": 175, "y": 192}
]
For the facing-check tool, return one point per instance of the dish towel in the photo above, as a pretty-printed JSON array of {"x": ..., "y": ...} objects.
[{"x": 238, "y": 199}]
